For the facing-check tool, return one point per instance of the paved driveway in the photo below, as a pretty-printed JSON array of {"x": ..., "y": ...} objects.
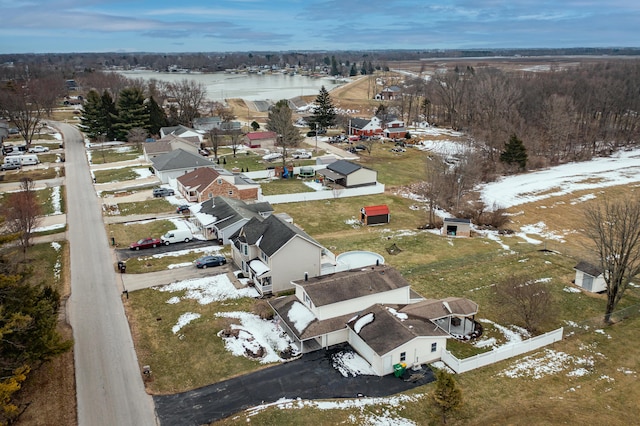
[{"x": 310, "y": 377}]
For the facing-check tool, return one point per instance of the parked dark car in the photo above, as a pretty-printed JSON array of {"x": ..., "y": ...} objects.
[
  {"x": 162, "y": 192},
  {"x": 145, "y": 243},
  {"x": 182, "y": 209},
  {"x": 206, "y": 261}
]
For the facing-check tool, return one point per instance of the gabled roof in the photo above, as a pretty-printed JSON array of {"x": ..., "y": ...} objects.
[
  {"x": 589, "y": 268},
  {"x": 179, "y": 159},
  {"x": 270, "y": 234},
  {"x": 433, "y": 309},
  {"x": 347, "y": 285},
  {"x": 252, "y": 136},
  {"x": 157, "y": 147},
  {"x": 383, "y": 331},
  {"x": 199, "y": 178},
  {"x": 177, "y": 130},
  {"x": 359, "y": 123},
  {"x": 343, "y": 167},
  {"x": 376, "y": 210},
  {"x": 228, "y": 211}
]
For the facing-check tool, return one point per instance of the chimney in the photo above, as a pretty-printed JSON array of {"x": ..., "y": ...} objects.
[{"x": 306, "y": 276}]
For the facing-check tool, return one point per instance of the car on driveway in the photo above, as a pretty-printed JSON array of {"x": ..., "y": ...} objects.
[
  {"x": 207, "y": 261},
  {"x": 162, "y": 192},
  {"x": 145, "y": 243},
  {"x": 182, "y": 209},
  {"x": 38, "y": 148}
]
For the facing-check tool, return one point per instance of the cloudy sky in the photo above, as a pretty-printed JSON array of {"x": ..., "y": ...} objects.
[{"x": 43, "y": 26}]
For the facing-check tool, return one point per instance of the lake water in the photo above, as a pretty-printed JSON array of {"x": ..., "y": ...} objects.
[{"x": 252, "y": 87}]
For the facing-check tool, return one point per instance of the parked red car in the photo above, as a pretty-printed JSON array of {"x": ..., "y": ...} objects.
[{"x": 145, "y": 243}]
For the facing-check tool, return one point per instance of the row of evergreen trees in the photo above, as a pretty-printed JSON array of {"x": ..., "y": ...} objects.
[{"x": 105, "y": 119}]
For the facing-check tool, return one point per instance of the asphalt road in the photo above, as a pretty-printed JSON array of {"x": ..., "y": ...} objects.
[
  {"x": 310, "y": 377},
  {"x": 109, "y": 383}
]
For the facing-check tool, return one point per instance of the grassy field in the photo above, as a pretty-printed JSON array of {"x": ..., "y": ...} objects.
[
  {"x": 112, "y": 155},
  {"x": 283, "y": 186},
  {"x": 157, "y": 205},
  {"x": 125, "y": 234},
  {"x": 116, "y": 175}
]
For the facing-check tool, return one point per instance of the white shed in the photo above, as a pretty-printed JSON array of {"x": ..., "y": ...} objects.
[{"x": 590, "y": 277}]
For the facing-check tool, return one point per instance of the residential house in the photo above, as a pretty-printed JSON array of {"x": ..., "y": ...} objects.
[
  {"x": 389, "y": 93},
  {"x": 260, "y": 139},
  {"x": 348, "y": 174},
  {"x": 272, "y": 253},
  {"x": 590, "y": 277},
  {"x": 182, "y": 131},
  {"x": 221, "y": 217},
  {"x": 364, "y": 308},
  {"x": 363, "y": 127},
  {"x": 205, "y": 183},
  {"x": 170, "y": 143},
  {"x": 395, "y": 130},
  {"x": 171, "y": 165},
  {"x": 455, "y": 227},
  {"x": 206, "y": 124}
]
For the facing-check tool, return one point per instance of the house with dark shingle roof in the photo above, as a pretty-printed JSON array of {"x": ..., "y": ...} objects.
[
  {"x": 204, "y": 183},
  {"x": 173, "y": 164},
  {"x": 590, "y": 277},
  {"x": 376, "y": 312},
  {"x": 221, "y": 217},
  {"x": 348, "y": 174},
  {"x": 363, "y": 127},
  {"x": 272, "y": 253}
]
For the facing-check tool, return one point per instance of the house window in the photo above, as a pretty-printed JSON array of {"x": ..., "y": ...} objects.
[
  {"x": 245, "y": 249},
  {"x": 403, "y": 356},
  {"x": 219, "y": 181},
  {"x": 211, "y": 195},
  {"x": 230, "y": 192},
  {"x": 434, "y": 347},
  {"x": 265, "y": 257}
]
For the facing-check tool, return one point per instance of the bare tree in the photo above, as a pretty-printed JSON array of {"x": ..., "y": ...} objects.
[
  {"x": 137, "y": 135},
  {"x": 22, "y": 213},
  {"x": 527, "y": 300},
  {"x": 189, "y": 95},
  {"x": 614, "y": 227},
  {"x": 22, "y": 108},
  {"x": 235, "y": 141},
  {"x": 215, "y": 138},
  {"x": 280, "y": 121}
]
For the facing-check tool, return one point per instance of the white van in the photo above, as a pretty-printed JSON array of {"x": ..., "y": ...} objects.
[
  {"x": 177, "y": 236},
  {"x": 14, "y": 160},
  {"x": 28, "y": 160}
]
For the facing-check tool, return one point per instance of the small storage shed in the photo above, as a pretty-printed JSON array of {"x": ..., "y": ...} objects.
[
  {"x": 455, "y": 227},
  {"x": 375, "y": 215},
  {"x": 590, "y": 277}
]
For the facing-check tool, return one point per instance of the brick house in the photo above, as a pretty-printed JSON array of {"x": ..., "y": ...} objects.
[
  {"x": 395, "y": 130},
  {"x": 204, "y": 183},
  {"x": 364, "y": 127}
]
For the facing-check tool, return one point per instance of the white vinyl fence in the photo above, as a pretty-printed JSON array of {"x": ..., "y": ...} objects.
[{"x": 501, "y": 353}]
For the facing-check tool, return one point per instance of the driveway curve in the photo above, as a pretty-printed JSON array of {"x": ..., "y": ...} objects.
[{"x": 310, "y": 377}]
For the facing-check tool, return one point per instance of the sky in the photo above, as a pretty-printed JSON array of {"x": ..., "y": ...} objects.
[{"x": 63, "y": 26}]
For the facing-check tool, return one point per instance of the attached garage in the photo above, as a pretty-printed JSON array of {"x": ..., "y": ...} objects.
[{"x": 375, "y": 215}]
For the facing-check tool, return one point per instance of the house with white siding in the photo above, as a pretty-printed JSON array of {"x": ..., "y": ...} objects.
[{"x": 376, "y": 312}]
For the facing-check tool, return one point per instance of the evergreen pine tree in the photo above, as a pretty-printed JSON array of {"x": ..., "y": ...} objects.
[
  {"x": 110, "y": 114},
  {"x": 514, "y": 152},
  {"x": 324, "y": 113},
  {"x": 131, "y": 112},
  {"x": 92, "y": 120},
  {"x": 157, "y": 117},
  {"x": 446, "y": 396}
]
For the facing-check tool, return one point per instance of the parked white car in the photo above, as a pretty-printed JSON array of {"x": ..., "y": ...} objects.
[
  {"x": 298, "y": 155},
  {"x": 38, "y": 148},
  {"x": 272, "y": 157}
]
